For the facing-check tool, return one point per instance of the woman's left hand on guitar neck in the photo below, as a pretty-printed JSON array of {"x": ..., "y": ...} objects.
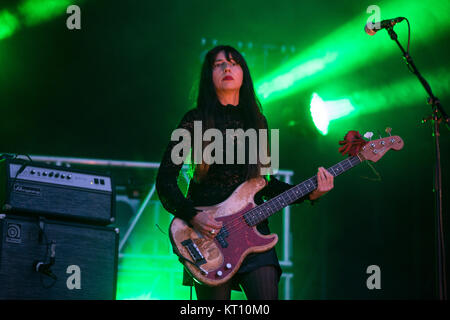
[{"x": 324, "y": 184}]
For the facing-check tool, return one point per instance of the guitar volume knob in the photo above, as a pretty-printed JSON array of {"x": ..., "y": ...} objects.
[
  {"x": 219, "y": 273},
  {"x": 228, "y": 266}
]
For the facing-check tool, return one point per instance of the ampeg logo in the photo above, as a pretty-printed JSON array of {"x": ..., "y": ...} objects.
[
  {"x": 27, "y": 190},
  {"x": 14, "y": 233}
]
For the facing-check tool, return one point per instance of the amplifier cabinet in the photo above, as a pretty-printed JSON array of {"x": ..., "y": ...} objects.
[
  {"x": 56, "y": 192},
  {"x": 75, "y": 261}
]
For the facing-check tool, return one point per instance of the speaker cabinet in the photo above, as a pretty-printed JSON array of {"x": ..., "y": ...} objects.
[{"x": 75, "y": 261}]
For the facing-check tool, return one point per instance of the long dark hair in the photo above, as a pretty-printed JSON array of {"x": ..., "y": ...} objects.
[{"x": 207, "y": 101}]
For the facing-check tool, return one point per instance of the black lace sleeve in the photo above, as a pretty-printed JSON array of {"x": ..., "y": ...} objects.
[{"x": 167, "y": 187}]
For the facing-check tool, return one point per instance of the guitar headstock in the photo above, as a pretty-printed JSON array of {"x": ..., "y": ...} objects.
[{"x": 374, "y": 150}]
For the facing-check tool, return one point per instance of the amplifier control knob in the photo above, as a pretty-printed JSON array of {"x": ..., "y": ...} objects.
[
  {"x": 69, "y": 177},
  {"x": 33, "y": 171}
]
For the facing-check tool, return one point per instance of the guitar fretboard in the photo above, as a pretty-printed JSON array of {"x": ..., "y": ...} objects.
[{"x": 268, "y": 208}]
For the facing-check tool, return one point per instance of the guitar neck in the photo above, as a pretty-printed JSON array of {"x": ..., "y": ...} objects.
[{"x": 268, "y": 208}]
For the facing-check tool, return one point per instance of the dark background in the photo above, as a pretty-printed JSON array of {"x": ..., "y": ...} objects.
[{"x": 118, "y": 87}]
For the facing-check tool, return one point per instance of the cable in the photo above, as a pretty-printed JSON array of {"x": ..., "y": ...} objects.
[
  {"x": 49, "y": 245},
  {"x": 410, "y": 68},
  {"x": 409, "y": 34}
]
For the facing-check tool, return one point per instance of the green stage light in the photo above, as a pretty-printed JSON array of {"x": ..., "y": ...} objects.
[
  {"x": 394, "y": 96},
  {"x": 402, "y": 93},
  {"x": 8, "y": 24},
  {"x": 154, "y": 277},
  {"x": 323, "y": 112},
  {"x": 150, "y": 277},
  {"x": 285, "y": 81},
  {"x": 348, "y": 48},
  {"x": 37, "y": 11},
  {"x": 32, "y": 12}
]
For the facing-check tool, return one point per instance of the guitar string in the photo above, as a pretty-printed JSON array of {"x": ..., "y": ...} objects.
[
  {"x": 289, "y": 193},
  {"x": 236, "y": 225},
  {"x": 236, "y": 222}
]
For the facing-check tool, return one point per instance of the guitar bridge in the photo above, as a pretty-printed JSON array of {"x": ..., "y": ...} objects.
[{"x": 194, "y": 251}]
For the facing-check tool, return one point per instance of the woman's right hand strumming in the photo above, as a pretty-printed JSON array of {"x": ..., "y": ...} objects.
[{"x": 204, "y": 223}]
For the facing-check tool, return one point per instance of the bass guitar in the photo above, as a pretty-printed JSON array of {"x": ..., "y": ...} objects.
[{"x": 213, "y": 262}]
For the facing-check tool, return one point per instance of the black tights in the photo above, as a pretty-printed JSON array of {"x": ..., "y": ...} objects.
[{"x": 259, "y": 284}]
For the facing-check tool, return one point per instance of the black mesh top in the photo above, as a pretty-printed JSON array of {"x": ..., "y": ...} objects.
[{"x": 220, "y": 181}]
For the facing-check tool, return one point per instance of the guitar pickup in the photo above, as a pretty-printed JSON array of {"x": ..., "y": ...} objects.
[
  {"x": 194, "y": 251},
  {"x": 223, "y": 233}
]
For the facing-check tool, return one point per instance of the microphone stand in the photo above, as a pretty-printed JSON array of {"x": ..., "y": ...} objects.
[{"x": 436, "y": 109}]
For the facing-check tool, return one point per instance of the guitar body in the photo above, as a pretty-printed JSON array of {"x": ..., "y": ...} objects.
[{"x": 213, "y": 262}]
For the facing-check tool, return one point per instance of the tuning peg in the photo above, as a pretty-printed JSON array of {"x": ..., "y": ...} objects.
[
  {"x": 368, "y": 135},
  {"x": 388, "y": 131}
]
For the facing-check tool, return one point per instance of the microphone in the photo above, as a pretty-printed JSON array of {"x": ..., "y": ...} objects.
[{"x": 371, "y": 28}]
